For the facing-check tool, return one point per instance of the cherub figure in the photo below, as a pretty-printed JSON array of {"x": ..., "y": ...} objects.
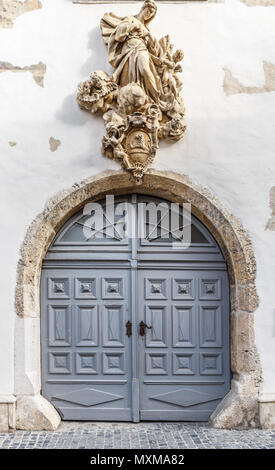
[
  {"x": 170, "y": 69},
  {"x": 131, "y": 98},
  {"x": 112, "y": 143},
  {"x": 97, "y": 93}
]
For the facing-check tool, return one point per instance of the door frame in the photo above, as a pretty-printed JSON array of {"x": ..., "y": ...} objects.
[{"x": 240, "y": 407}]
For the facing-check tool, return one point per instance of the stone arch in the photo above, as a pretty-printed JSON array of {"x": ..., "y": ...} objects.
[{"x": 239, "y": 409}]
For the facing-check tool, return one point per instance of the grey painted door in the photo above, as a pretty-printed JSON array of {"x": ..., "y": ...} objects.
[
  {"x": 175, "y": 368},
  {"x": 183, "y": 356},
  {"x": 86, "y": 353}
]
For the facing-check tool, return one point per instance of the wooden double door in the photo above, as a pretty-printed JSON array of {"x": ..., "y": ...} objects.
[{"x": 131, "y": 328}]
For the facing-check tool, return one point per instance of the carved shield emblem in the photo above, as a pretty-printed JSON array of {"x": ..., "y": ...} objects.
[{"x": 138, "y": 146}]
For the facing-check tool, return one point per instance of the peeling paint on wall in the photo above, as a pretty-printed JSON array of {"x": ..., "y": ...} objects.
[
  {"x": 10, "y": 9},
  {"x": 232, "y": 86},
  {"x": 54, "y": 144},
  {"x": 261, "y": 3},
  {"x": 12, "y": 144},
  {"x": 38, "y": 70},
  {"x": 271, "y": 222}
]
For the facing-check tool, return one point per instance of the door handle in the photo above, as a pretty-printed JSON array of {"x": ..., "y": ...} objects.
[
  {"x": 128, "y": 328},
  {"x": 142, "y": 327}
]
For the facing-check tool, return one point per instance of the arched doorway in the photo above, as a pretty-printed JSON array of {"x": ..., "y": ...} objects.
[
  {"x": 134, "y": 326},
  {"x": 239, "y": 408}
]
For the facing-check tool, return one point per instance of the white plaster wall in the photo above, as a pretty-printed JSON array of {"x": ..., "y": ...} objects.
[{"x": 229, "y": 145}]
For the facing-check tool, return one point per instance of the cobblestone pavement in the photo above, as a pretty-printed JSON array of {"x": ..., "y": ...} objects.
[{"x": 75, "y": 435}]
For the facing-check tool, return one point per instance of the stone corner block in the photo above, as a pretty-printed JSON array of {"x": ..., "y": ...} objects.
[
  {"x": 35, "y": 413},
  {"x": 267, "y": 410},
  {"x": 7, "y": 413},
  {"x": 236, "y": 411}
]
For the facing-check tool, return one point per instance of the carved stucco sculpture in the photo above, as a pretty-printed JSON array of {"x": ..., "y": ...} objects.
[{"x": 140, "y": 101}]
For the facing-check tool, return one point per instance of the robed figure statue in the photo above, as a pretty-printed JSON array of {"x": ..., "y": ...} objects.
[{"x": 133, "y": 51}]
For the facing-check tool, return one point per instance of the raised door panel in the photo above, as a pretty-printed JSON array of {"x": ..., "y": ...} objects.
[
  {"x": 59, "y": 325},
  {"x": 156, "y": 363},
  {"x": 86, "y": 362},
  {"x": 210, "y": 321},
  {"x": 113, "y": 330},
  {"x": 184, "y": 326},
  {"x": 86, "y": 288},
  {"x": 86, "y": 326},
  {"x": 156, "y": 317},
  {"x": 184, "y": 363}
]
